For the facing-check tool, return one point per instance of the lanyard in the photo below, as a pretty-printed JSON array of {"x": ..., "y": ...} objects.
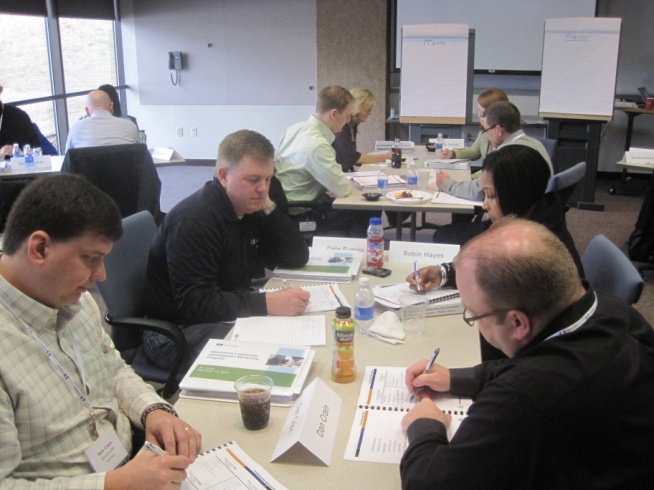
[
  {"x": 93, "y": 428},
  {"x": 578, "y": 323}
]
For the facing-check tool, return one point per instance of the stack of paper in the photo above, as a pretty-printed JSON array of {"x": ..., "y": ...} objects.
[
  {"x": 441, "y": 301},
  {"x": 325, "y": 265},
  {"x": 222, "y": 362},
  {"x": 447, "y": 163},
  {"x": 368, "y": 180}
]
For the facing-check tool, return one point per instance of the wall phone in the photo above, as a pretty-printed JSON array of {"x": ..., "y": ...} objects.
[{"x": 175, "y": 60}]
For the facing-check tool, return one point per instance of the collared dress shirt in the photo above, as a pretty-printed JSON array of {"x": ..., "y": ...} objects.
[
  {"x": 102, "y": 129},
  {"x": 306, "y": 162},
  {"x": 44, "y": 426}
]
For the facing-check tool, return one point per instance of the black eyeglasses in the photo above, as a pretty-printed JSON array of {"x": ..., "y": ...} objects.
[
  {"x": 471, "y": 320},
  {"x": 488, "y": 129}
]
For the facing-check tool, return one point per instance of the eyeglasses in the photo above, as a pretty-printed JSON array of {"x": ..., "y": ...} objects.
[
  {"x": 488, "y": 129},
  {"x": 472, "y": 319}
]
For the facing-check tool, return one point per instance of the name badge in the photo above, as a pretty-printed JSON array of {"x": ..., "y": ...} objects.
[{"x": 107, "y": 453}]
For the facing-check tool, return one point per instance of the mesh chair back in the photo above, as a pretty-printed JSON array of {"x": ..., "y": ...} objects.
[{"x": 609, "y": 270}]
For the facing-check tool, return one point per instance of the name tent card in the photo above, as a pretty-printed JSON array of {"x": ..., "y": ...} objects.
[
  {"x": 310, "y": 427},
  {"x": 424, "y": 253},
  {"x": 162, "y": 154},
  {"x": 339, "y": 244}
]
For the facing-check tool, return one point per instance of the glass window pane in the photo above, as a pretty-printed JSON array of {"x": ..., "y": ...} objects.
[
  {"x": 23, "y": 57},
  {"x": 75, "y": 107},
  {"x": 88, "y": 53},
  {"x": 42, "y": 114}
]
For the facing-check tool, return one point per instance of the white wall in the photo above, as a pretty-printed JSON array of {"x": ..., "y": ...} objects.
[{"x": 213, "y": 122}]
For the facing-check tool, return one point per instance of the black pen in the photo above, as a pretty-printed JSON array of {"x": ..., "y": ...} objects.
[{"x": 427, "y": 369}]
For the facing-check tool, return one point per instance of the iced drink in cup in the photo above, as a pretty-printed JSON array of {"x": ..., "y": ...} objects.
[{"x": 254, "y": 394}]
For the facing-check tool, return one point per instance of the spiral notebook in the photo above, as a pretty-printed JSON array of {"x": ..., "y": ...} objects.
[
  {"x": 376, "y": 434},
  {"x": 228, "y": 467}
]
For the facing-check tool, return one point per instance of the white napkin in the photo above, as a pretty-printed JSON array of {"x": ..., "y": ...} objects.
[{"x": 387, "y": 328}]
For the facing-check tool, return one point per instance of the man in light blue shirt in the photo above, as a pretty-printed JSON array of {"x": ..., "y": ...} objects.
[
  {"x": 306, "y": 164},
  {"x": 101, "y": 128}
]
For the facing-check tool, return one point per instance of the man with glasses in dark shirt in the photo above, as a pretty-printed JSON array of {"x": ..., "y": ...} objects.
[{"x": 569, "y": 408}]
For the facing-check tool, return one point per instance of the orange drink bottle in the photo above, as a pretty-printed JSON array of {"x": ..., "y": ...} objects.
[{"x": 343, "y": 369}]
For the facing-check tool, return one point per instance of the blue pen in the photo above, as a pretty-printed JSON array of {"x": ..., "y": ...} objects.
[
  {"x": 416, "y": 274},
  {"x": 427, "y": 369}
]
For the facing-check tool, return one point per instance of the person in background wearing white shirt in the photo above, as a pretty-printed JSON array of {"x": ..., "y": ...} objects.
[{"x": 101, "y": 128}]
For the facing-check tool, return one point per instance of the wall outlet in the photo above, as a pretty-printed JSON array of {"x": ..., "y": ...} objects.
[
  {"x": 180, "y": 132},
  {"x": 194, "y": 132}
]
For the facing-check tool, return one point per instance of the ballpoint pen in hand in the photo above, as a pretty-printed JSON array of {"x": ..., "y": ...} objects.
[
  {"x": 427, "y": 369},
  {"x": 155, "y": 449},
  {"x": 416, "y": 274},
  {"x": 287, "y": 284}
]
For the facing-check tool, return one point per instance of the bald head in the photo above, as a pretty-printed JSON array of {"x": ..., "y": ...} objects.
[
  {"x": 520, "y": 264},
  {"x": 97, "y": 100}
]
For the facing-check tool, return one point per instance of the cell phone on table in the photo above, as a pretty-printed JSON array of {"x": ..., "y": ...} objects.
[{"x": 376, "y": 271}]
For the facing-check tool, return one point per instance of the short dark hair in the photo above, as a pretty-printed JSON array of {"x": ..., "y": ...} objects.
[
  {"x": 333, "y": 97},
  {"x": 65, "y": 206},
  {"x": 520, "y": 175},
  {"x": 504, "y": 114},
  {"x": 240, "y": 143}
]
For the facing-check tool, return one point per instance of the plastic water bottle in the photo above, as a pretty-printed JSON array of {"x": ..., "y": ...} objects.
[
  {"x": 29, "y": 157},
  {"x": 364, "y": 305},
  {"x": 375, "y": 244},
  {"x": 412, "y": 177},
  {"x": 382, "y": 181},
  {"x": 16, "y": 153},
  {"x": 439, "y": 142}
]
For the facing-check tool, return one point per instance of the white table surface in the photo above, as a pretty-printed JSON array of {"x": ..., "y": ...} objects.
[{"x": 220, "y": 422}]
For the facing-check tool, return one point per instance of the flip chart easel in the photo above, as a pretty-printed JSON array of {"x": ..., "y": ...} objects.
[
  {"x": 580, "y": 60},
  {"x": 437, "y": 61}
]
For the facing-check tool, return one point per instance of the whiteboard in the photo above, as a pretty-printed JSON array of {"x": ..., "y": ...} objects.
[
  {"x": 434, "y": 73},
  {"x": 580, "y": 60},
  {"x": 509, "y": 32}
]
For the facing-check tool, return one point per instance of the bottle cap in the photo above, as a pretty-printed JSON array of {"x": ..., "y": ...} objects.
[
  {"x": 364, "y": 281},
  {"x": 343, "y": 312},
  {"x": 375, "y": 221}
]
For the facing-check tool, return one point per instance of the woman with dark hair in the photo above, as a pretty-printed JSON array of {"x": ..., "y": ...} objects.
[{"x": 117, "y": 111}]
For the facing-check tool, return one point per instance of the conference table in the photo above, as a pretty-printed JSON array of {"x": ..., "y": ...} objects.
[
  {"x": 355, "y": 199},
  {"x": 19, "y": 171},
  {"x": 220, "y": 422}
]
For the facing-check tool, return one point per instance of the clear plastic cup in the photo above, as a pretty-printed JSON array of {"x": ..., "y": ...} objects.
[
  {"x": 254, "y": 393},
  {"x": 413, "y": 311}
]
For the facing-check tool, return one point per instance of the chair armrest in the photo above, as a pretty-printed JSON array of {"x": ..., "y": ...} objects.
[{"x": 314, "y": 205}]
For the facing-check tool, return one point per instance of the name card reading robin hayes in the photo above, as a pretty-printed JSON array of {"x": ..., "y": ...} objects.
[
  {"x": 311, "y": 423},
  {"x": 424, "y": 253}
]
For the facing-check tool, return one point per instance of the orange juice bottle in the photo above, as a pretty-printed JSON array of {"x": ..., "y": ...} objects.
[{"x": 343, "y": 369}]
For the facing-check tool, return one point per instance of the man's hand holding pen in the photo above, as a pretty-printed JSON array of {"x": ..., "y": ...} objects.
[
  {"x": 289, "y": 301},
  {"x": 438, "y": 380}
]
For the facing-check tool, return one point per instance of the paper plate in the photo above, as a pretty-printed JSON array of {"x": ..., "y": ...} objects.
[{"x": 418, "y": 197}]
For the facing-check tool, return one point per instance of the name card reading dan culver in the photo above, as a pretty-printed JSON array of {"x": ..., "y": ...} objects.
[
  {"x": 423, "y": 253},
  {"x": 312, "y": 422}
]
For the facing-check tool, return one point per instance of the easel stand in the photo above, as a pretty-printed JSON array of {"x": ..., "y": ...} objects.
[{"x": 578, "y": 140}]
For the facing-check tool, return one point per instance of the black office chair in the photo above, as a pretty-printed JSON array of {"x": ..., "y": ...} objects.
[
  {"x": 125, "y": 172},
  {"x": 122, "y": 291},
  {"x": 564, "y": 183},
  {"x": 609, "y": 270}
]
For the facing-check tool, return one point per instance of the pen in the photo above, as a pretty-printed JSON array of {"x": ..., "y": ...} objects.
[
  {"x": 287, "y": 284},
  {"x": 426, "y": 371},
  {"x": 155, "y": 449},
  {"x": 416, "y": 274}
]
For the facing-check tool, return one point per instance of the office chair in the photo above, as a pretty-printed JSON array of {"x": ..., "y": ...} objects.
[
  {"x": 122, "y": 292},
  {"x": 564, "y": 183},
  {"x": 608, "y": 270},
  {"x": 550, "y": 146},
  {"x": 124, "y": 172}
]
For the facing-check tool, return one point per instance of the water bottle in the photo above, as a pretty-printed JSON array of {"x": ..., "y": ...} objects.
[
  {"x": 343, "y": 368},
  {"x": 382, "y": 182},
  {"x": 29, "y": 157},
  {"x": 143, "y": 138},
  {"x": 16, "y": 153},
  {"x": 439, "y": 142},
  {"x": 375, "y": 244},
  {"x": 364, "y": 305},
  {"x": 412, "y": 177}
]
